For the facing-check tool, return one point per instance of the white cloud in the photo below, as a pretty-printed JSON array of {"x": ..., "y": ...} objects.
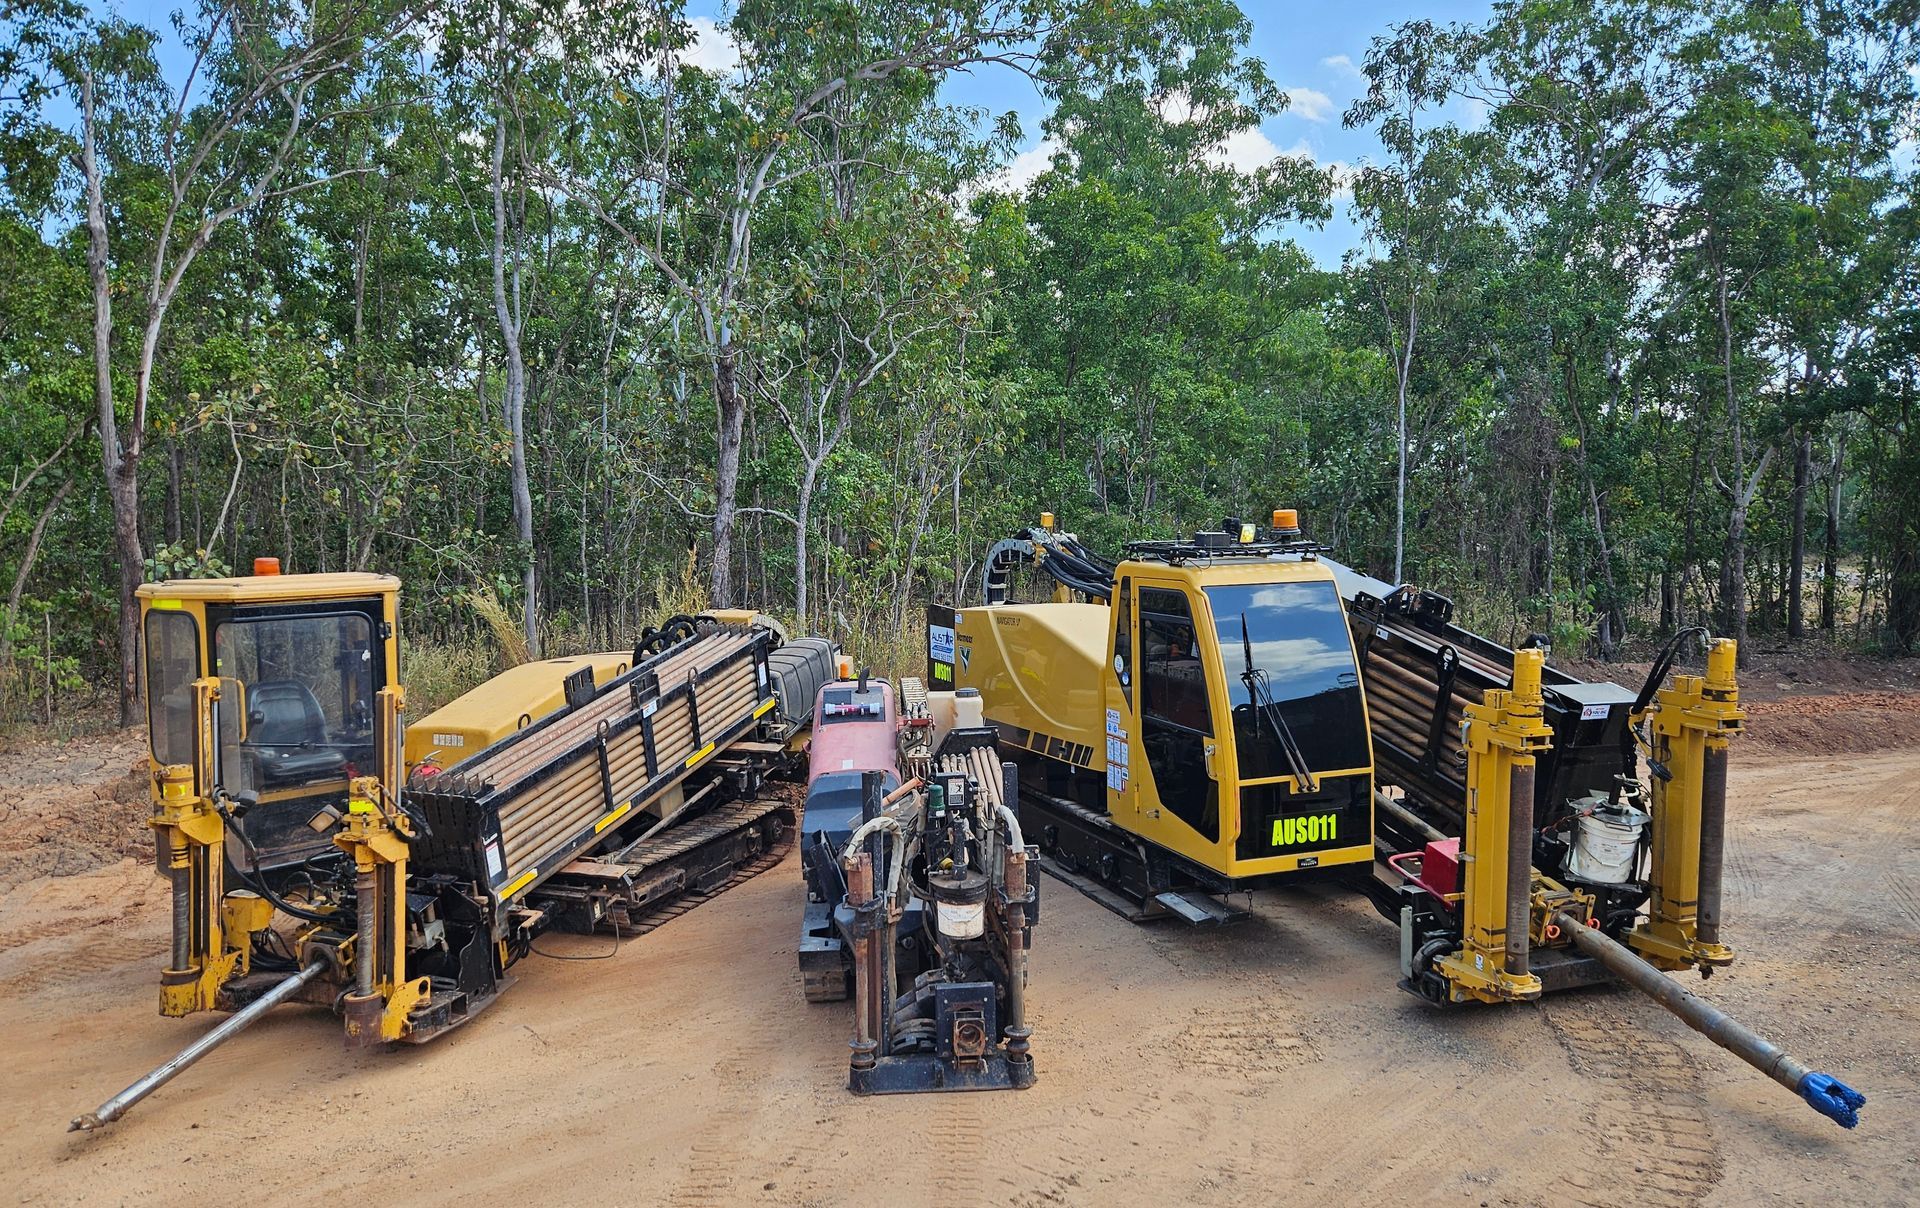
[
  {"x": 1309, "y": 103},
  {"x": 1175, "y": 107},
  {"x": 713, "y": 49},
  {"x": 1021, "y": 171},
  {"x": 1341, "y": 65},
  {"x": 1244, "y": 151}
]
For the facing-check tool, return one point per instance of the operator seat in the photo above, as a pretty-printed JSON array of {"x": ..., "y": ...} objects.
[{"x": 283, "y": 718}]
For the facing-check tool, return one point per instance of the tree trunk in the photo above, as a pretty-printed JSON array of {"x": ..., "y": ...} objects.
[
  {"x": 803, "y": 521},
  {"x": 28, "y": 557},
  {"x": 1830, "y": 562},
  {"x": 1403, "y": 369},
  {"x": 1733, "y": 568},
  {"x": 1797, "y": 552},
  {"x": 515, "y": 401},
  {"x": 119, "y": 464},
  {"x": 732, "y": 414}
]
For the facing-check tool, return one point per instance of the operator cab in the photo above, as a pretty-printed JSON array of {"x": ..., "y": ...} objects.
[
  {"x": 1235, "y": 666},
  {"x": 294, "y": 663}
]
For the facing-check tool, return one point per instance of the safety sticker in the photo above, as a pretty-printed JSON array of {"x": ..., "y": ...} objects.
[
  {"x": 496, "y": 867},
  {"x": 1113, "y": 724}
]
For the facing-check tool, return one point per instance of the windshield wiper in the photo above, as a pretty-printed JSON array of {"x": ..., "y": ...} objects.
[{"x": 1260, "y": 694}]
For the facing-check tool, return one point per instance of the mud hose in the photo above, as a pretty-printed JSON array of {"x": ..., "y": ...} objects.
[
  {"x": 230, "y": 1027},
  {"x": 1519, "y": 866},
  {"x": 1823, "y": 1092},
  {"x": 1015, "y": 840},
  {"x": 1713, "y": 842}
]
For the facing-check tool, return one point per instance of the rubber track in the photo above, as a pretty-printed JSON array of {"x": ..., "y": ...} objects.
[{"x": 680, "y": 904}]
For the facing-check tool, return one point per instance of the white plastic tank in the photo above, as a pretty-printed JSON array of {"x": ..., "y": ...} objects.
[{"x": 1606, "y": 842}]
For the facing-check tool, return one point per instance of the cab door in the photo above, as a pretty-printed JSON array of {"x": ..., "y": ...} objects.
[{"x": 1174, "y": 749}]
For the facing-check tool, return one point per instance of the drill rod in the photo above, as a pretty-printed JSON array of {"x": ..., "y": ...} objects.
[
  {"x": 1823, "y": 1092},
  {"x": 230, "y": 1027}
]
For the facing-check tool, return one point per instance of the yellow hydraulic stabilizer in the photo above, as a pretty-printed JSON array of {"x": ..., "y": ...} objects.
[
  {"x": 191, "y": 843},
  {"x": 375, "y": 832},
  {"x": 1694, "y": 722},
  {"x": 1501, "y": 738}
]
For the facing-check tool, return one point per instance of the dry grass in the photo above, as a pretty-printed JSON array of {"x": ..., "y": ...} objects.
[
  {"x": 504, "y": 626},
  {"x": 685, "y": 593},
  {"x": 435, "y": 673}
]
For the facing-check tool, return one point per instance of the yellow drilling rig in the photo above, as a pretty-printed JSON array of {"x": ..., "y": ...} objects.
[
  {"x": 1232, "y": 711},
  {"x": 317, "y": 852}
]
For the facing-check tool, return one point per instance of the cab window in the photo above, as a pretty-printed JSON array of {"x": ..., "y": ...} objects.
[
  {"x": 308, "y": 684},
  {"x": 1291, "y": 679},
  {"x": 1175, "y": 718},
  {"x": 1123, "y": 639},
  {"x": 173, "y": 663}
]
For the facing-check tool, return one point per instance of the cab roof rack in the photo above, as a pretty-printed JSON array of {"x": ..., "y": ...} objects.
[{"x": 1214, "y": 545}]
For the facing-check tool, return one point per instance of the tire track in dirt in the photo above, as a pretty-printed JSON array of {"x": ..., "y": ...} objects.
[
  {"x": 1656, "y": 1145},
  {"x": 108, "y": 954},
  {"x": 716, "y": 1171},
  {"x": 1248, "y": 1042}
]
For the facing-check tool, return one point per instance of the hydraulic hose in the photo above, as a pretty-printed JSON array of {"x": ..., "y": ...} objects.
[{"x": 1012, "y": 820}]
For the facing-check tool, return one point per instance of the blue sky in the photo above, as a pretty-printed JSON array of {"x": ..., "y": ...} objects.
[{"x": 1312, "y": 50}]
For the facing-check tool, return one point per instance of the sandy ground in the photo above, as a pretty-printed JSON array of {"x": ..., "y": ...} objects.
[{"x": 1272, "y": 1062}]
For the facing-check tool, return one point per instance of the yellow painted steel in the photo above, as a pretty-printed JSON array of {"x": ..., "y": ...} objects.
[
  {"x": 186, "y": 811},
  {"x": 1696, "y": 715},
  {"x": 1502, "y": 734},
  {"x": 612, "y": 818},
  {"x": 192, "y": 835},
  {"x": 512, "y": 700},
  {"x": 374, "y": 833},
  {"x": 1046, "y": 676},
  {"x": 1038, "y": 668}
]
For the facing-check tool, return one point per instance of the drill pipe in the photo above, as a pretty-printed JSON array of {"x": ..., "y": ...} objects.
[
  {"x": 229, "y": 1027},
  {"x": 1823, "y": 1092}
]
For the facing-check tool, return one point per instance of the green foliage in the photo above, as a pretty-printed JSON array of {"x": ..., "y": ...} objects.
[
  {"x": 179, "y": 561},
  {"x": 1674, "y": 239}
]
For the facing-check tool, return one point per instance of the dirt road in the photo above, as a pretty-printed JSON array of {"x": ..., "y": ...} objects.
[{"x": 1274, "y": 1062}]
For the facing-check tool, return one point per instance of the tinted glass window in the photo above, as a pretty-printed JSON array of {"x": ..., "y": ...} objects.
[
  {"x": 1123, "y": 639},
  {"x": 1290, "y": 670},
  {"x": 309, "y": 698},
  {"x": 173, "y": 663},
  {"x": 1175, "y": 719}
]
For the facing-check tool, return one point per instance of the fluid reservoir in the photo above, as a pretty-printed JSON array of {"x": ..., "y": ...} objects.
[
  {"x": 1606, "y": 842},
  {"x": 960, "y": 903},
  {"x": 968, "y": 710}
]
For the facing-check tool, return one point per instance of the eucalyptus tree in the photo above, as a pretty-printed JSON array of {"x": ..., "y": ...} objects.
[
  {"x": 685, "y": 164},
  {"x": 188, "y": 157}
]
